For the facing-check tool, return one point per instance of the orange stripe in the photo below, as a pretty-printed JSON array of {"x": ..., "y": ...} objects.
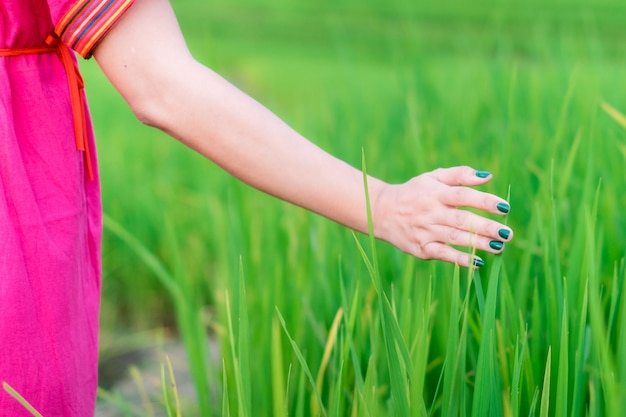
[
  {"x": 68, "y": 16},
  {"x": 87, "y": 42},
  {"x": 83, "y": 21},
  {"x": 104, "y": 27}
]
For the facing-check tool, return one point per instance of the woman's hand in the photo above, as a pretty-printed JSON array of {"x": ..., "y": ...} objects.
[{"x": 423, "y": 216}]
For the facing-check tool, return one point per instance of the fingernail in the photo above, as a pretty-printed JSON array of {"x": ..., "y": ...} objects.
[
  {"x": 478, "y": 262},
  {"x": 483, "y": 174},
  {"x": 504, "y": 233},
  {"x": 503, "y": 207},
  {"x": 496, "y": 245}
]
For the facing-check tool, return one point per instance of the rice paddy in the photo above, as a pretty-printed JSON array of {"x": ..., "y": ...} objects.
[{"x": 314, "y": 320}]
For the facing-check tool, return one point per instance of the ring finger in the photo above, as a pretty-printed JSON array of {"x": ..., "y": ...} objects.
[
  {"x": 467, "y": 221},
  {"x": 458, "y": 237}
]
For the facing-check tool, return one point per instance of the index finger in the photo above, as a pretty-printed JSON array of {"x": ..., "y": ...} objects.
[
  {"x": 461, "y": 175},
  {"x": 468, "y": 197}
]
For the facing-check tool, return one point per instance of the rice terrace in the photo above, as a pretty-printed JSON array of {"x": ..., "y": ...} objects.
[{"x": 284, "y": 313}]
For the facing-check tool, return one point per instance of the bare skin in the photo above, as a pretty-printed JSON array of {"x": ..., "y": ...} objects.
[{"x": 146, "y": 59}]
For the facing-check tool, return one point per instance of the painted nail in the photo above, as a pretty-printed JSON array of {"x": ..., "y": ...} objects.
[
  {"x": 503, "y": 207},
  {"x": 483, "y": 174},
  {"x": 478, "y": 262},
  {"x": 496, "y": 245},
  {"x": 504, "y": 233}
]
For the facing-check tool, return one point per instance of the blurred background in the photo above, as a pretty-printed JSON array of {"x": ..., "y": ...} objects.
[{"x": 513, "y": 87}]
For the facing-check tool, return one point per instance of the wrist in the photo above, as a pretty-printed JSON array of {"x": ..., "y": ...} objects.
[{"x": 380, "y": 197}]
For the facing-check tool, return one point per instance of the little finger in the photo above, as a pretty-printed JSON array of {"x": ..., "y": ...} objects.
[{"x": 439, "y": 251}]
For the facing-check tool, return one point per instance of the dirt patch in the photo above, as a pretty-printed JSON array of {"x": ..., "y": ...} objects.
[{"x": 131, "y": 381}]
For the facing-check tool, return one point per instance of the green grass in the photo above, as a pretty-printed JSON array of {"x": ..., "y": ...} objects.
[{"x": 312, "y": 322}]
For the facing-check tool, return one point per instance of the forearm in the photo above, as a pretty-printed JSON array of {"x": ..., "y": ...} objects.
[
  {"x": 213, "y": 117},
  {"x": 168, "y": 89}
]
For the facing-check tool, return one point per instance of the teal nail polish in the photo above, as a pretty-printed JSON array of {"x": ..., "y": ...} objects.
[
  {"x": 503, "y": 207},
  {"x": 504, "y": 233},
  {"x": 478, "y": 262},
  {"x": 483, "y": 174},
  {"x": 496, "y": 245}
]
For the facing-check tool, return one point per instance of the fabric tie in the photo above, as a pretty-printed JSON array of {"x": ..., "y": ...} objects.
[{"x": 75, "y": 84}]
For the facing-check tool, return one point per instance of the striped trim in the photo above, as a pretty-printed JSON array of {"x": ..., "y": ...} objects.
[{"x": 87, "y": 21}]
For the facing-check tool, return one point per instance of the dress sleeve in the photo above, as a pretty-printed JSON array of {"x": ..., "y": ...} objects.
[{"x": 81, "y": 24}]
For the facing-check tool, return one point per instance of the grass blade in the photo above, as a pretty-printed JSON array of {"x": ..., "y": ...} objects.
[
  {"x": 304, "y": 365},
  {"x": 278, "y": 385},
  {"x": 330, "y": 343},
  {"x": 487, "y": 400},
  {"x": 399, "y": 370},
  {"x": 614, "y": 113},
  {"x": 545, "y": 392},
  {"x": 13, "y": 393},
  {"x": 563, "y": 377}
]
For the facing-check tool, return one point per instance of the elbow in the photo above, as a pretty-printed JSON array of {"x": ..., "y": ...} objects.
[
  {"x": 149, "y": 111},
  {"x": 162, "y": 97},
  {"x": 151, "y": 106},
  {"x": 156, "y": 96}
]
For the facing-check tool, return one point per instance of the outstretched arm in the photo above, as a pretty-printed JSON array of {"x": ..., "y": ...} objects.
[{"x": 146, "y": 59}]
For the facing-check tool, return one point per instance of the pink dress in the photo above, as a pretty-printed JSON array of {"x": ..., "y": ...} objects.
[{"x": 50, "y": 212}]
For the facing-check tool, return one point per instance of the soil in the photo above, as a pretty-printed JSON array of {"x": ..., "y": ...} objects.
[{"x": 123, "y": 395}]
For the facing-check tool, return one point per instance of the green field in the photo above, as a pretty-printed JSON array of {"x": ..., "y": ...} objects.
[{"x": 312, "y": 321}]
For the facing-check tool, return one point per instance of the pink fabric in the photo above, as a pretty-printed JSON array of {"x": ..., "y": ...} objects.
[{"x": 50, "y": 228}]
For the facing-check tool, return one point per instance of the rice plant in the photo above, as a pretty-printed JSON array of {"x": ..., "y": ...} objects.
[{"x": 313, "y": 320}]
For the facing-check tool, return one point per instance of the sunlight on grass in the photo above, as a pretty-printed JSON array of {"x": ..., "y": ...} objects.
[{"x": 314, "y": 320}]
